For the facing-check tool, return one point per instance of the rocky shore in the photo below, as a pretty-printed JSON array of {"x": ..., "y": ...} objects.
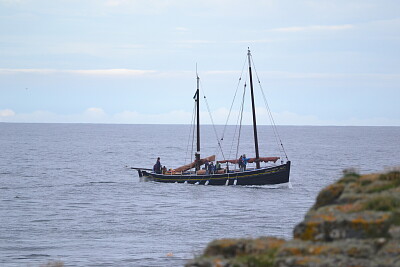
[{"x": 354, "y": 222}]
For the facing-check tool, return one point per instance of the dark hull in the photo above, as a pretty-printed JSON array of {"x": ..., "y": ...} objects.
[{"x": 264, "y": 176}]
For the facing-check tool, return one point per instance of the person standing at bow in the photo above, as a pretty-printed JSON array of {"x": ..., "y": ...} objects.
[{"x": 157, "y": 166}]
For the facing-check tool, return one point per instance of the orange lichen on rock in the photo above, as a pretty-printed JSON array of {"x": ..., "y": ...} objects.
[
  {"x": 326, "y": 217},
  {"x": 308, "y": 232},
  {"x": 307, "y": 261},
  {"x": 237, "y": 247},
  {"x": 328, "y": 195},
  {"x": 291, "y": 251},
  {"x": 268, "y": 243},
  {"x": 372, "y": 227},
  {"x": 349, "y": 207},
  {"x": 318, "y": 249},
  {"x": 369, "y": 177},
  {"x": 218, "y": 263},
  {"x": 354, "y": 222},
  {"x": 222, "y": 247}
]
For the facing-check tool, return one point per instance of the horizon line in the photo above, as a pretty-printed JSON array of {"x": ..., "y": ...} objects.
[{"x": 206, "y": 124}]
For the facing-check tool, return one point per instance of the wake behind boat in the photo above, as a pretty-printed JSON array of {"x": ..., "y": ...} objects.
[{"x": 193, "y": 173}]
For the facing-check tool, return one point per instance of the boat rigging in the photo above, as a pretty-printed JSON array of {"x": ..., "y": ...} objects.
[{"x": 192, "y": 172}]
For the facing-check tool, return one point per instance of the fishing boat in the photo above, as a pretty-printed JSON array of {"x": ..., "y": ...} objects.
[{"x": 195, "y": 173}]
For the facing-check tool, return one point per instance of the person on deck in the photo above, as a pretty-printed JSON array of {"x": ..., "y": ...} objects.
[
  {"x": 211, "y": 168},
  {"x": 245, "y": 161},
  {"x": 206, "y": 166},
  {"x": 217, "y": 166},
  {"x": 240, "y": 162},
  {"x": 157, "y": 166}
]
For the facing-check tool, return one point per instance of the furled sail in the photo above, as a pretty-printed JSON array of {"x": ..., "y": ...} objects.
[
  {"x": 193, "y": 164},
  {"x": 251, "y": 160}
]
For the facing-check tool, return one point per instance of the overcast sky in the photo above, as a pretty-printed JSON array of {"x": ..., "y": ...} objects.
[{"x": 320, "y": 62}]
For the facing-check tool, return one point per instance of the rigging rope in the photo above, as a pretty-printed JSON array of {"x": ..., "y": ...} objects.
[
  {"x": 212, "y": 121},
  {"x": 241, "y": 119},
  {"x": 215, "y": 130},
  {"x": 233, "y": 101},
  {"x": 275, "y": 129},
  {"x": 236, "y": 127},
  {"x": 234, "y": 135},
  {"x": 191, "y": 134},
  {"x": 230, "y": 111}
]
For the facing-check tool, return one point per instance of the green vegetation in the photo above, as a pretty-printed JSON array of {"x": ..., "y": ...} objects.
[
  {"x": 328, "y": 195},
  {"x": 383, "y": 203},
  {"x": 365, "y": 182},
  {"x": 379, "y": 187},
  {"x": 393, "y": 177},
  {"x": 266, "y": 260},
  {"x": 354, "y": 222},
  {"x": 349, "y": 176}
]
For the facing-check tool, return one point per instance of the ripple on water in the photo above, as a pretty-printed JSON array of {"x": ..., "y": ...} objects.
[{"x": 66, "y": 194}]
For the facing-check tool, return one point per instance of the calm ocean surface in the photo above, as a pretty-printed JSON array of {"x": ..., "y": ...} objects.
[{"x": 65, "y": 193}]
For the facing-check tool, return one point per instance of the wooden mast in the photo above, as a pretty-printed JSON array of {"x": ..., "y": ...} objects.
[
  {"x": 197, "y": 98},
  {"x": 254, "y": 113}
]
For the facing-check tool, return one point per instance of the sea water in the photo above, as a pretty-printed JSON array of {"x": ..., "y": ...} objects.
[{"x": 67, "y": 195}]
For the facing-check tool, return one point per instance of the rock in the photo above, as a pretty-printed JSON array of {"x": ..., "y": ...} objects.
[
  {"x": 329, "y": 195},
  {"x": 354, "y": 222},
  {"x": 242, "y": 252}
]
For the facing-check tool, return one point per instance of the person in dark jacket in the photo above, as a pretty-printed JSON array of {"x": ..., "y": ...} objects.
[
  {"x": 218, "y": 166},
  {"x": 157, "y": 166},
  {"x": 240, "y": 162},
  {"x": 211, "y": 168}
]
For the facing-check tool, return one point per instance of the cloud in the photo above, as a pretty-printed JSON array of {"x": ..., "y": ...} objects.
[
  {"x": 280, "y": 118},
  {"x": 387, "y": 78},
  {"x": 141, "y": 7},
  {"x": 291, "y": 118},
  {"x": 6, "y": 113},
  {"x": 36, "y": 71},
  {"x": 258, "y": 41},
  {"x": 322, "y": 75},
  {"x": 102, "y": 72},
  {"x": 98, "y": 115},
  {"x": 222, "y": 72},
  {"x": 285, "y": 75},
  {"x": 191, "y": 42},
  {"x": 314, "y": 28},
  {"x": 94, "y": 113},
  {"x": 172, "y": 117},
  {"x": 125, "y": 72},
  {"x": 162, "y": 6},
  {"x": 114, "y": 3},
  {"x": 181, "y": 29},
  {"x": 267, "y": 75},
  {"x": 91, "y": 115},
  {"x": 11, "y": 2},
  {"x": 34, "y": 117}
]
